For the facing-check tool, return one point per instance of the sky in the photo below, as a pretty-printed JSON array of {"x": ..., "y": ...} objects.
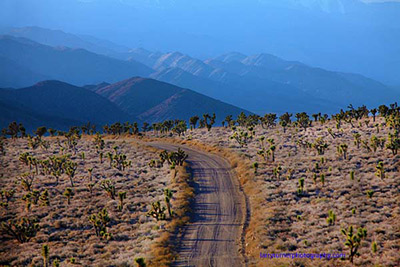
[{"x": 342, "y": 35}]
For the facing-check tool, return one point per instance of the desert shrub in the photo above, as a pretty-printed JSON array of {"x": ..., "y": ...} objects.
[
  {"x": 157, "y": 211},
  {"x": 23, "y": 229}
]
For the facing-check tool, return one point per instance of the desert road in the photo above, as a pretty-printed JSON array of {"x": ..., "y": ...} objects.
[{"x": 212, "y": 238}]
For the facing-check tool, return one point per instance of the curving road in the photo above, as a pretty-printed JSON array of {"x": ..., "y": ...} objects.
[{"x": 213, "y": 236}]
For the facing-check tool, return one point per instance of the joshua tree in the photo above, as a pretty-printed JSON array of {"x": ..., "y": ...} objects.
[
  {"x": 121, "y": 197},
  {"x": 21, "y": 229},
  {"x": 255, "y": 167},
  {"x": 100, "y": 222},
  {"x": 26, "y": 181},
  {"x": 90, "y": 171},
  {"x": 70, "y": 169},
  {"x": 109, "y": 187},
  {"x": 44, "y": 198},
  {"x": 352, "y": 175},
  {"x": 277, "y": 172},
  {"x": 357, "y": 139},
  {"x": 31, "y": 198},
  {"x": 342, "y": 150},
  {"x": 380, "y": 170},
  {"x": 99, "y": 143},
  {"x": 145, "y": 127},
  {"x": 373, "y": 112},
  {"x": 193, "y": 121},
  {"x": 140, "y": 262},
  {"x": 320, "y": 145},
  {"x": 168, "y": 196},
  {"x": 284, "y": 120},
  {"x": 14, "y": 130},
  {"x": 300, "y": 189},
  {"x": 41, "y": 131},
  {"x": 369, "y": 193},
  {"x": 7, "y": 194},
  {"x": 269, "y": 120},
  {"x": 157, "y": 211},
  {"x": 180, "y": 128},
  {"x": 120, "y": 162},
  {"x": 331, "y": 218},
  {"x": 52, "y": 132},
  {"x": 209, "y": 120},
  {"x": 271, "y": 151},
  {"x": 90, "y": 187},
  {"x": 393, "y": 143},
  {"x": 229, "y": 121},
  {"x": 374, "y": 247},
  {"x": 45, "y": 255},
  {"x": 353, "y": 240},
  {"x": 68, "y": 193},
  {"x": 322, "y": 177},
  {"x": 383, "y": 110},
  {"x": 303, "y": 120},
  {"x": 175, "y": 158},
  {"x": 242, "y": 137}
]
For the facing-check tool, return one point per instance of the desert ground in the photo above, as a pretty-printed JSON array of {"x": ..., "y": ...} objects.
[
  {"x": 301, "y": 190},
  {"x": 66, "y": 228},
  {"x": 285, "y": 221}
]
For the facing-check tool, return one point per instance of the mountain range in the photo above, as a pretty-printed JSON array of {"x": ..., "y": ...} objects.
[
  {"x": 73, "y": 65},
  {"x": 340, "y": 35},
  {"x": 60, "y": 105},
  {"x": 260, "y": 83}
]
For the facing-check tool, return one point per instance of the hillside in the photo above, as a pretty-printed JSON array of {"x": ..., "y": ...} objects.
[
  {"x": 306, "y": 185},
  {"x": 76, "y": 66},
  {"x": 14, "y": 75},
  {"x": 64, "y": 224},
  {"x": 154, "y": 101},
  {"x": 57, "y": 103}
]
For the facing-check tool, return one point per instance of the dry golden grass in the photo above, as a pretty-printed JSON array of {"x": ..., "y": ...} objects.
[
  {"x": 283, "y": 222},
  {"x": 66, "y": 228}
]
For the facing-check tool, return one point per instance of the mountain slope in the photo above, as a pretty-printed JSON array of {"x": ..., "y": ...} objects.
[
  {"x": 264, "y": 83},
  {"x": 76, "y": 66},
  {"x": 63, "y": 101},
  {"x": 154, "y": 101},
  {"x": 14, "y": 75},
  {"x": 15, "y": 111},
  {"x": 61, "y": 38}
]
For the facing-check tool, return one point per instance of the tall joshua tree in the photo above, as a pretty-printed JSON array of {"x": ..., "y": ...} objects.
[
  {"x": 209, "y": 121},
  {"x": 373, "y": 112},
  {"x": 41, "y": 131},
  {"x": 68, "y": 193},
  {"x": 193, "y": 121},
  {"x": 284, "y": 120},
  {"x": 168, "y": 196}
]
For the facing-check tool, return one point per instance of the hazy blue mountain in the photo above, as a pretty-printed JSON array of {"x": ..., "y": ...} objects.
[
  {"x": 14, "y": 75},
  {"x": 263, "y": 83},
  {"x": 76, "y": 66},
  {"x": 60, "y": 38},
  {"x": 154, "y": 101},
  {"x": 60, "y": 105},
  {"x": 50, "y": 101},
  {"x": 340, "y": 35},
  {"x": 15, "y": 111}
]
